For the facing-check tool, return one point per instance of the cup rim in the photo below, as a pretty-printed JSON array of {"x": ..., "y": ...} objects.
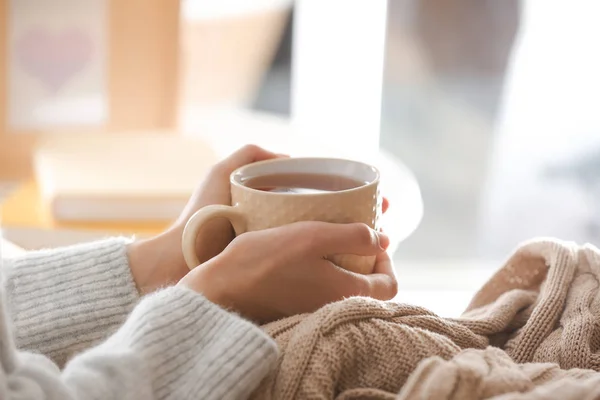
[{"x": 375, "y": 181}]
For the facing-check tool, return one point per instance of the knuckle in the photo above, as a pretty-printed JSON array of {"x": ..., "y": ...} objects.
[
  {"x": 392, "y": 289},
  {"x": 250, "y": 149},
  {"x": 305, "y": 235},
  {"x": 363, "y": 233},
  {"x": 242, "y": 156}
]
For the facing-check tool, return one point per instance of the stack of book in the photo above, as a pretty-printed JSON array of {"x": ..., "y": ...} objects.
[{"x": 128, "y": 179}]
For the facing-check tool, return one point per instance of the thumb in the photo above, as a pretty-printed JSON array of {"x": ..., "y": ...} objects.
[
  {"x": 355, "y": 238},
  {"x": 247, "y": 155}
]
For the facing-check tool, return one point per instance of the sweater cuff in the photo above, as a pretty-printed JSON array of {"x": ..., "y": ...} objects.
[
  {"x": 192, "y": 346},
  {"x": 64, "y": 300}
]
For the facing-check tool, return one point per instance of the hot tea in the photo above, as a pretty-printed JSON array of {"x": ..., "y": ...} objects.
[
  {"x": 302, "y": 183},
  {"x": 273, "y": 193}
]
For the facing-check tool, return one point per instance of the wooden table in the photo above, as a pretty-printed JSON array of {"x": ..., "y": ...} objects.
[{"x": 25, "y": 209}]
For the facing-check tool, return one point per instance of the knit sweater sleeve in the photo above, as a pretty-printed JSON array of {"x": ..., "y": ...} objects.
[
  {"x": 65, "y": 300},
  {"x": 175, "y": 344}
]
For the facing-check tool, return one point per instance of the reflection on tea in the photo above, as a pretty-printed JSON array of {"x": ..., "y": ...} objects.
[{"x": 302, "y": 183}]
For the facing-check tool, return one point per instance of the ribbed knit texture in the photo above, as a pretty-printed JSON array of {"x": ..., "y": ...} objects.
[
  {"x": 531, "y": 332},
  {"x": 175, "y": 344},
  {"x": 68, "y": 299},
  {"x": 195, "y": 348}
]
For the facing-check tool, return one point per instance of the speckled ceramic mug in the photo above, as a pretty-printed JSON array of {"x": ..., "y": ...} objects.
[{"x": 254, "y": 209}]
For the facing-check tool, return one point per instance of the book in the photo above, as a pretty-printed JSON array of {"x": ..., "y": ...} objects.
[
  {"x": 120, "y": 177},
  {"x": 24, "y": 209}
]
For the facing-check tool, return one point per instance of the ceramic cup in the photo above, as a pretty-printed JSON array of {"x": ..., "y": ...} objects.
[{"x": 254, "y": 209}]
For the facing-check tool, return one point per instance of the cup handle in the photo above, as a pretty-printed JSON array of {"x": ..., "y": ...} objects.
[{"x": 200, "y": 217}]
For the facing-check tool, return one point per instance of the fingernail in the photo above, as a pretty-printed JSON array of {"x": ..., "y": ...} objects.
[
  {"x": 383, "y": 240},
  {"x": 282, "y": 155}
]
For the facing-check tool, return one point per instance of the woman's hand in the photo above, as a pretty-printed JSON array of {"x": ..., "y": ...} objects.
[
  {"x": 158, "y": 262},
  {"x": 266, "y": 275},
  {"x": 216, "y": 234},
  {"x": 216, "y": 189}
]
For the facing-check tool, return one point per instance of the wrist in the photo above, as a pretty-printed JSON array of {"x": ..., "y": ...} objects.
[
  {"x": 206, "y": 280},
  {"x": 156, "y": 262}
]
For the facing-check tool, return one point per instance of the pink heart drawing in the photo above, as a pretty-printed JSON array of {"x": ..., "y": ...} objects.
[{"x": 54, "y": 58}]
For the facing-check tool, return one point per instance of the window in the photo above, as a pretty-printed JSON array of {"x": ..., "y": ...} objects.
[
  {"x": 420, "y": 83},
  {"x": 487, "y": 103}
]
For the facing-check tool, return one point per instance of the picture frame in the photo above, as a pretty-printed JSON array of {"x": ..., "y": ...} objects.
[{"x": 142, "y": 48}]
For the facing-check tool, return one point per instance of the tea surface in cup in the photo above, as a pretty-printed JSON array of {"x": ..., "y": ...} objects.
[{"x": 301, "y": 183}]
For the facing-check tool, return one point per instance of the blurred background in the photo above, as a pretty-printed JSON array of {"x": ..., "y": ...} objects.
[{"x": 481, "y": 113}]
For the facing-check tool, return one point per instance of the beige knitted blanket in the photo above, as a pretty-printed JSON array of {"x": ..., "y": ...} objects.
[{"x": 531, "y": 332}]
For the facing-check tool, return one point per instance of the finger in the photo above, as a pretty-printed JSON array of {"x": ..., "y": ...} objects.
[
  {"x": 385, "y": 205},
  {"x": 384, "y": 265},
  {"x": 247, "y": 155},
  {"x": 252, "y": 153},
  {"x": 325, "y": 239},
  {"x": 382, "y": 283},
  {"x": 341, "y": 283}
]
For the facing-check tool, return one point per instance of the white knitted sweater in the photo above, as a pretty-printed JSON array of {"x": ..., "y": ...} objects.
[{"x": 72, "y": 327}]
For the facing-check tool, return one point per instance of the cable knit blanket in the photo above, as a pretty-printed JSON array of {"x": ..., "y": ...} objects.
[{"x": 531, "y": 332}]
